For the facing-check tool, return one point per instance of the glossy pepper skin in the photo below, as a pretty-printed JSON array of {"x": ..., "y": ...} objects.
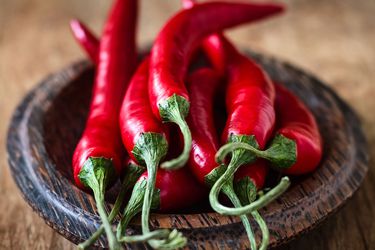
[
  {"x": 296, "y": 122},
  {"x": 98, "y": 157},
  {"x": 86, "y": 39},
  {"x": 250, "y": 99},
  {"x": 177, "y": 189},
  {"x": 172, "y": 50},
  {"x": 117, "y": 60},
  {"x": 202, "y": 86},
  {"x": 145, "y": 139},
  {"x": 136, "y": 117},
  {"x": 297, "y": 146}
]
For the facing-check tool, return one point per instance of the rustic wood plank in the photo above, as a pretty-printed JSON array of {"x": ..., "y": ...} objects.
[{"x": 332, "y": 39}]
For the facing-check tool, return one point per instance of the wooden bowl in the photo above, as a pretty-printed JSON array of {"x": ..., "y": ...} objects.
[{"x": 47, "y": 125}]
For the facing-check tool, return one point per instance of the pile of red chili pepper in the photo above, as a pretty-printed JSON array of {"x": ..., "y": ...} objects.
[{"x": 195, "y": 78}]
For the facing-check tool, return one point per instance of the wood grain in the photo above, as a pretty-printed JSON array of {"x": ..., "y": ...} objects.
[{"x": 333, "y": 39}]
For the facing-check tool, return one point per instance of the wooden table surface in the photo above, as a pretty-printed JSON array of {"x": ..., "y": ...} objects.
[{"x": 333, "y": 39}]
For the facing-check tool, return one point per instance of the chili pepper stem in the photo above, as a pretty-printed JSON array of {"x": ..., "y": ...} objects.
[
  {"x": 131, "y": 176},
  {"x": 175, "y": 109},
  {"x": 256, "y": 205},
  {"x": 133, "y": 207},
  {"x": 247, "y": 193},
  {"x": 264, "y": 228},
  {"x": 173, "y": 242},
  {"x": 228, "y": 191},
  {"x": 246, "y": 190},
  {"x": 96, "y": 173},
  {"x": 282, "y": 152},
  {"x": 149, "y": 150}
]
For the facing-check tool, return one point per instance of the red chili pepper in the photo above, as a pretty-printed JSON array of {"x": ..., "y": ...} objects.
[
  {"x": 171, "y": 52},
  {"x": 98, "y": 155},
  {"x": 202, "y": 87},
  {"x": 297, "y": 123},
  {"x": 249, "y": 89},
  {"x": 145, "y": 139},
  {"x": 205, "y": 144},
  {"x": 297, "y": 147},
  {"x": 86, "y": 39}
]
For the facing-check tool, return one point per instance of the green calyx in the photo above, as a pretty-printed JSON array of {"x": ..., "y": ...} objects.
[
  {"x": 175, "y": 109},
  {"x": 171, "y": 105},
  {"x": 246, "y": 190},
  {"x": 96, "y": 173},
  {"x": 150, "y": 147},
  {"x": 215, "y": 174},
  {"x": 132, "y": 173},
  {"x": 282, "y": 152}
]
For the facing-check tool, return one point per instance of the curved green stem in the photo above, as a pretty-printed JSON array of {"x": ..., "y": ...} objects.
[
  {"x": 246, "y": 190},
  {"x": 228, "y": 191},
  {"x": 232, "y": 146},
  {"x": 96, "y": 173},
  {"x": 149, "y": 150},
  {"x": 132, "y": 174},
  {"x": 282, "y": 152},
  {"x": 175, "y": 109},
  {"x": 181, "y": 160},
  {"x": 256, "y": 205},
  {"x": 157, "y": 234},
  {"x": 264, "y": 228},
  {"x": 134, "y": 207}
]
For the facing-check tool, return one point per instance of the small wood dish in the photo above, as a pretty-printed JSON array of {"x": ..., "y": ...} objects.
[{"x": 47, "y": 125}]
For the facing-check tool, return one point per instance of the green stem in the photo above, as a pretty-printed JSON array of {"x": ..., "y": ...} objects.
[
  {"x": 256, "y": 205},
  {"x": 134, "y": 207},
  {"x": 174, "y": 240},
  {"x": 112, "y": 241},
  {"x": 181, "y": 160},
  {"x": 228, "y": 191},
  {"x": 133, "y": 172},
  {"x": 157, "y": 234},
  {"x": 96, "y": 173},
  {"x": 232, "y": 146},
  {"x": 264, "y": 228},
  {"x": 246, "y": 191},
  {"x": 175, "y": 109},
  {"x": 151, "y": 179},
  {"x": 282, "y": 152},
  {"x": 149, "y": 150}
]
